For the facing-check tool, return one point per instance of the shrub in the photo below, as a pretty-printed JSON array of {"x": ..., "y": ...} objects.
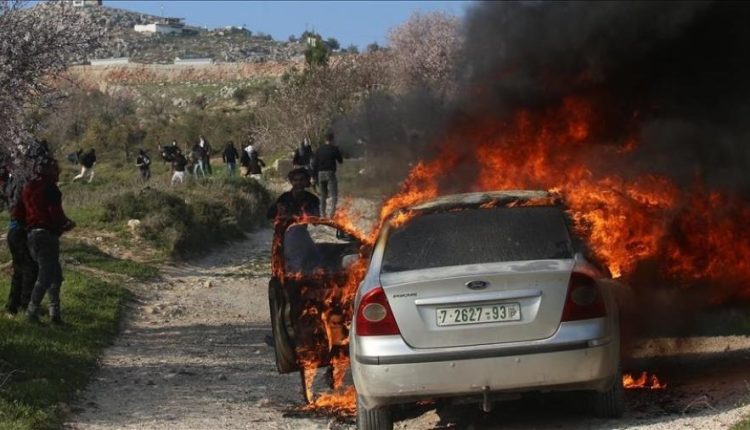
[{"x": 210, "y": 213}]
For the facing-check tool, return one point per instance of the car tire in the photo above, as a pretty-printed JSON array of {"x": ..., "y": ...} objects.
[
  {"x": 373, "y": 419},
  {"x": 610, "y": 403},
  {"x": 286, "y": 358}
]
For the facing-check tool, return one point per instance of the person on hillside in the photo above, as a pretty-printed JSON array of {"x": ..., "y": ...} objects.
[
  {"x": 143, "y": 162},
  {"x": 24, "y": 268},
  {"x": 45, "y": 222},
  {"x": 230, "y": 156},
  {"x": 198, "y": 157},
  {"x": 178, "y": 169},
  {"x": 302, "y": 156},
  {"x": 87, "y": 165},
  {"x": 255, "y": 166},
  {"x": 206, "y": 147},
  {"x": 324, "y": 171}
]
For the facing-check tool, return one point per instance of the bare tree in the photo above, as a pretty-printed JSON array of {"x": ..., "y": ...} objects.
[
  {"x": 425, "y": 51},
  {"x": 36, "y": 45},
  {"x": 308, "y": 102}
]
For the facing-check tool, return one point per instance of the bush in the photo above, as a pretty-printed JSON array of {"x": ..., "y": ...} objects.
[{"x": 209, "y": 214}]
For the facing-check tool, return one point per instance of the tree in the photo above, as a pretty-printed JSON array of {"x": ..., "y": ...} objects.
[
  {"x": 373, "y": 47},
  {"x": 333, "y": 44},
  {"x": 425, "y": 50},
  {"x": 352, "y": 49},
  {"x": 37, "y": 45},
  {"x": 316, "y": 53}
]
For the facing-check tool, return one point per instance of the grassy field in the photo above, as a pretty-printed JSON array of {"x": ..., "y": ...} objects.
[{"x": 43, "y": 367}]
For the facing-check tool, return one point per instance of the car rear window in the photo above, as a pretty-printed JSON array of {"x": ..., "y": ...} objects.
[{"x": 475, "y": 236}]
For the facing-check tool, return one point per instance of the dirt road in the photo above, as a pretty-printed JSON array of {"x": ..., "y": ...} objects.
[{"x": 192, "y": 356}]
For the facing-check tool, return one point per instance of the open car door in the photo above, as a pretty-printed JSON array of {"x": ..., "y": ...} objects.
[{"x": 308, "y": 294}]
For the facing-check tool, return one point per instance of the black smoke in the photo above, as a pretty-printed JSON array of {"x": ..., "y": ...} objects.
[{"x": 676, "y": 74}]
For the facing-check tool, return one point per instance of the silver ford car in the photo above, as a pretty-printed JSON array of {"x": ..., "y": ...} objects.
[{"x": 479, "y": 295}]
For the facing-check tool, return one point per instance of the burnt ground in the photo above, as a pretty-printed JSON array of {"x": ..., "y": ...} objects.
[{"x": 192, "y": 356}]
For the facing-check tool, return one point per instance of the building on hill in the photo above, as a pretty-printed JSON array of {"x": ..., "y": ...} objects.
[
  {"x": 84, "y": 3},
  {"x": 193, "y": 61},
  {"x": 164, "y": 26}
]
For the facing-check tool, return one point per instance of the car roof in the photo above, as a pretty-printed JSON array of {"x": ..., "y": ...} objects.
[{"x": 485, "y": 198}]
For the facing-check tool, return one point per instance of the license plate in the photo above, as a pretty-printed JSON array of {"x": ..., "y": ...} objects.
[{"x": 478, "y": 314}]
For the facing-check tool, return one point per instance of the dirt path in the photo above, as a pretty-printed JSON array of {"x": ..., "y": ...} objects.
[{"x": 192, "y": 356}]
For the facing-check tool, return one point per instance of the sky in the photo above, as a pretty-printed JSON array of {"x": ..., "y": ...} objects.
[{"x": 350, "y": 22}]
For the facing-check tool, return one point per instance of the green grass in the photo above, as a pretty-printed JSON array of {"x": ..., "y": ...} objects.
[
  {"x": 47, "y": 364},
  {"x": 80, "y": 253}
]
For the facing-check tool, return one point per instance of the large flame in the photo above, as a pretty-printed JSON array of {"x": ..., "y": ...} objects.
[{"x": 692, "y": 234}]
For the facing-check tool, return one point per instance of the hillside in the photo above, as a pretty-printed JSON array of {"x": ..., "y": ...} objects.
[{"x": 222, "y": 45}]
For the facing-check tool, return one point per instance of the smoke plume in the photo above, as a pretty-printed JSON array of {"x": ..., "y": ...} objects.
[{"x": 676, "y": 75}]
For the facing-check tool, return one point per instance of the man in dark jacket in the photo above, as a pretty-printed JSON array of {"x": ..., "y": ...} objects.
[
  {"x": 302, "y": 156},
  {"x": 24, "y": 268},
  {"x": 255, "y": 166},
  {"x": 297, "y": 201},
  {"x": 178, "y": 167},
  {"x": 45, "y": 222},
  {"x": 87, "y": 165},
  {"x": 324, "y": 171},
  {"x": 206, "y": 161},
  {"x": 230, "y": 156},
  {"x": 143, "y": 162}
]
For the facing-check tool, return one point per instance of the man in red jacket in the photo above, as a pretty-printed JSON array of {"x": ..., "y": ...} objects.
[{"x": 45, "y": 222}]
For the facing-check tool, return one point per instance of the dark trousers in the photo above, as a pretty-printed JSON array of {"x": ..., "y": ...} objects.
[
  {"x": 145, "y": 174},
  {"x": 24, "y": 270},
  {"x": 328, "y": 184},
  {"x": 207, "y": 165},
  {"x": 45, "y": 250}
]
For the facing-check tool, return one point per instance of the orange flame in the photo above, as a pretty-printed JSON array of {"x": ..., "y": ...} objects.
[
  {"x": 691, "y": 233},
  {"x": 642, "y": 382}
]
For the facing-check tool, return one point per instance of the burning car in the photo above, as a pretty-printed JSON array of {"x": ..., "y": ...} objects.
[
  {"x": 309, "y": 298},
  {"x": 479, "y": 295}
]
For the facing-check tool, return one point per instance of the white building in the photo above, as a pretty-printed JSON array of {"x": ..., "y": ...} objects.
[
  {"x": 166, "y": 26},
  {"x": 84, "y": 3},
  {"x": 193, "y": 61},
  {"x": 109, "y": 61}
]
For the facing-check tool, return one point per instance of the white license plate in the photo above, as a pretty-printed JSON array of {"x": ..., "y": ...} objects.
[{"x": 478, "y": 314}]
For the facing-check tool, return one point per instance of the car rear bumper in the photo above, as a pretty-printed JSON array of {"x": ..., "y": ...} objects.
[{"x": 567, "y": 361}]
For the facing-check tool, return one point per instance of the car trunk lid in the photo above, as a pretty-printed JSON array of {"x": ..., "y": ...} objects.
[{"x": 518, "y": 301}]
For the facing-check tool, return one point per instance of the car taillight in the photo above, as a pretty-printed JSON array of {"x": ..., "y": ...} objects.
[
  {"x": 583, "y": 300},
  {"x": 374, "y": 315}
]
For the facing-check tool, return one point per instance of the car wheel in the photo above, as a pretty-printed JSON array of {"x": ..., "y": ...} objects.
[
  {"x": 373, "y": 419},
  {"x": 610, "y": 403},
  {"x": 286, "y": 358}
]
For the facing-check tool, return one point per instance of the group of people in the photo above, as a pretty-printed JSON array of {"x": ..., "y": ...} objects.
[
  {"x": 199, "y": 161},
  {"x": 37, "y": 221}
]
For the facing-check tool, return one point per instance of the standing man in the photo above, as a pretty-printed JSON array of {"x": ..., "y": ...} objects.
[
  {"x": 198, "y": 156},
  {"x": 302, "y": 156},
  {"x": 87, "y": 165},
  {"x": 143, "y": 162},
  {"x": 297, "y": 201},
  {"x": 230, "y": 158},
  {"x": 203, "y": 143},
  {"x": 24, "y": 268},
  {"x": 178, "y": 166},
  {"x": 324, "y": 171},
  {"x": 45, "y": 222},
  {"x": 255, "y": 166}
]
